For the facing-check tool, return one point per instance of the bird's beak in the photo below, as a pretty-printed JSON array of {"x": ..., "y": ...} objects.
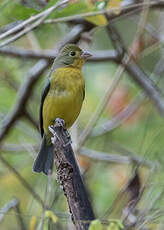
[{"x": 86, "y": 55}]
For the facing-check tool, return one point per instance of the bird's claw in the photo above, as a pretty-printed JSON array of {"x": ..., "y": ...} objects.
[
  {"x": 53, "y": 139},
  {"x": 59, "y": 122}
]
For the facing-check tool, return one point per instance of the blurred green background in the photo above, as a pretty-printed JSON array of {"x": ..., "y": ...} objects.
[{"x": 141, "y": 135}]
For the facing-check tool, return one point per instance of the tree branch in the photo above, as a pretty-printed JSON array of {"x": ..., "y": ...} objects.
[
  {"x": 135, "y": 72},
  {"x": 97, "y": 56},
  {"x": 7, "y": 207},
  {"x": 19, "y": 217},
  {"x": 70, "y": 179},
  {"x": 149, "y": 87},
  {"x": 119, "y": 118},
  {"x": 115, "y": 158},
  {"x": 41, "y": 16},
  {"x": 124, "y": 10},
  {"x": 13, "y": 204},
  {"x": 23, "y": 96}
]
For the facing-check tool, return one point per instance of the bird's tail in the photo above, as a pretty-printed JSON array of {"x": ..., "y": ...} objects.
[{"x": 45, "y": 158}]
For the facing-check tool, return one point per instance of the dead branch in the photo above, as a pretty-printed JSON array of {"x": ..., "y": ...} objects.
[{"x": 70, "y": 179}]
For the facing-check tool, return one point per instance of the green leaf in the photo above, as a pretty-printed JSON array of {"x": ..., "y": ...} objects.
[
  {"x": 15, "y": 11},
  {"x": 96, "y": 225},
  {"x": 51, "y": 215},
  {"x": 20, "y": 11},
  {"x": 71, "y": 9},
  {"x": 115, "y": 225}
]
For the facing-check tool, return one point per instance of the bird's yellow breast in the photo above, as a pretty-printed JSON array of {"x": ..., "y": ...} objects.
[{"x": 65, "y": 97}]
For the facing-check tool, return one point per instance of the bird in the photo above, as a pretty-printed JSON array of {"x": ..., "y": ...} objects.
[{"x": 62, "y": 98}]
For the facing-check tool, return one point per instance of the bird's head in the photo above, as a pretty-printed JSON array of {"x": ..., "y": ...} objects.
[{"x": 72, "y": 55}]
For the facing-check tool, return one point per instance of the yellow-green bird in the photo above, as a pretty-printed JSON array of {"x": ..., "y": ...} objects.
[{"x": 62, "y": 98}]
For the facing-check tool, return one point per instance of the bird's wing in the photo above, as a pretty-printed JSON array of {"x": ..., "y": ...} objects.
[
  {"x": 83, "y": 93},
  {"x": 44, "y": 94}
]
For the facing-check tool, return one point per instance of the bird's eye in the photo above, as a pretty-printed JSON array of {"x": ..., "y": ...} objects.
[{"x": 72, "y": 53}]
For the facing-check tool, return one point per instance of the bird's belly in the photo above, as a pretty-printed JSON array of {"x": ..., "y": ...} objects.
[{"x": 66, "y": 106}]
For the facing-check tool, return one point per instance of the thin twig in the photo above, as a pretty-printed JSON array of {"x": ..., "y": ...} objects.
[
  {"x": 111, "y": 11},
  {"x": 105, "y": 99},
  {"x": 7, "y": 207},
  {"x": 97, "y": 56},
  {"x": 115, "y": 158},
  {"x": 14, "y": 85},
  {"x": 19, "y": 217},
  {"x": 121, "y": 117},
  {"x": 135, "y": 72},
  {"x": 23, "y": 96},
  {"x": 22, "y": 180},
  {"x": 13, "y": 204},
  {"x": 126, "y": 157},
  {"x": 149, "y": 87},
  {"x": 31, "y": 119},
  {"x": 32, "y": 18},
  {"x": 131, "y": 108},
  {"x": 34, "y": 25}
]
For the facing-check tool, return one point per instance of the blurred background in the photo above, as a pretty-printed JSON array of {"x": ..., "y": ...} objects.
[{"x": 118, "y": 138}]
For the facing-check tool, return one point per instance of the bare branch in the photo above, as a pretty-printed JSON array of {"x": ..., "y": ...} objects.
[
  {"x": 149, "y": 87},
  {"x": 14, "y": 85},
  {"x": 102, "y": 104},
  {"x": 19, "y": 217},
  {"x": 121, "y": 117},
  {"x": 7, "y": 207},
  {"x": 31, "y": 119},
  {"x": 124, "y": 10},
  {"x": 41, "y": 16},
  {"x": 13, "y": 204},
  {"x": 97, "y": 56},
  {"x": 70, "y": 179},
  {"x": 115, "y": 158},
  {"x": 23, "y": 96},
  {"x": 135, "y": 72},
  {"x": 22, "y": 180},
  {"x": 9, "y": 26},
  {"x": 24, "y": 53}
]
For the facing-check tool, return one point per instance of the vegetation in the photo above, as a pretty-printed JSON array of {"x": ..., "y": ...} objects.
[{"x": 118, "y": 137}]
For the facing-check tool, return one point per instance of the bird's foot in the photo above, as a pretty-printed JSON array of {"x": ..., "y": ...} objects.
[
  {"x": 54, "y": 137},
  {"x": 59, "y": 122}
]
